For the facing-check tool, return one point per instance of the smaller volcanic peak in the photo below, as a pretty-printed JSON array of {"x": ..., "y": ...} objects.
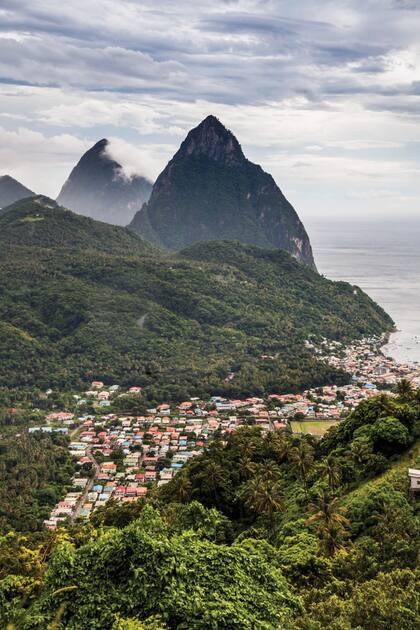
[
  {"x": 98, "y": 188},
  {"x": 211, "y": 139},
  {"x": 97, "y": 157},
  {"x": 11, "y": 190}
]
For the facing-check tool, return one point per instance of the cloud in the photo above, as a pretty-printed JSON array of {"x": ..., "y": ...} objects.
[
  {"x": 320, "y": 93},
  {"x": 30, "y": 157},
  {"x": 245, "y": 51},
  {"x": 134, "y": 160}
]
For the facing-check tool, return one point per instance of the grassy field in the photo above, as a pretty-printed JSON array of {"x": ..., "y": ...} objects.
[{"x": 316, "y": 427}]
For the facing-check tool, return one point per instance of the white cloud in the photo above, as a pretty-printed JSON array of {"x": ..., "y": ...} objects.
[{"x": 135, "y": 160}]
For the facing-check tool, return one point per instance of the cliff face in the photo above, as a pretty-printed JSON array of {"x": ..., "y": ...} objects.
[
  {"x": 210, "y": 191},
  {"x": 98, "y": 188}
]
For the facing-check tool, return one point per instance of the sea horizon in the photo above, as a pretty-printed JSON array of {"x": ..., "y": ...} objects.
[{"x": 383, "y": 259}]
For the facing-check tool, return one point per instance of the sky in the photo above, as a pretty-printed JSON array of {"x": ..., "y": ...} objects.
[{"x": 325, "y": 95}]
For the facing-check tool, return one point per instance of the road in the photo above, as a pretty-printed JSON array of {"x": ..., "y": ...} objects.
[{"x": 88, "y": 486}]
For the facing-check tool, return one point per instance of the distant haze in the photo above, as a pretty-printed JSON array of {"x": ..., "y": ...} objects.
[{"x": 324, "y": 95}]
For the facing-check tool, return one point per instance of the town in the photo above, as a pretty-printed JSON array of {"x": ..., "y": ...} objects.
[{"x": 122, "y": 456}]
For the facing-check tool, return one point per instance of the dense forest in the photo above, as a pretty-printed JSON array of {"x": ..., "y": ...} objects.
[
  {"x": 34, "y": 470},
  {"x": 262, "y": 531},
  {"x": 219, "y": 317}
]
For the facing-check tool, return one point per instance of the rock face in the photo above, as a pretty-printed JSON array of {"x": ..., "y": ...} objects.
[
  {"x": 11, "y": 190},
  {"x": 98, "y": 188},
  {"x": 210, "y": 191}
]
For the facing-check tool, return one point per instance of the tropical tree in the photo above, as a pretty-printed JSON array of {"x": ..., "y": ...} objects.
[
  {"x": 330, "y": 469},
  {"x": 331, "y": 523},
  {"x": 212, "y": 482},
  {"x": 360, "y": 454},
  {"x": 301, "y": 458},
  {"x": 246, "y": 468},
  {"x": 263, "y": 493},
  {"x": 389, "y": 435},
  {"x": 405, "y": 390},
  {"x": 279, "y": 445},
  {"x": 183, "y": 488}
]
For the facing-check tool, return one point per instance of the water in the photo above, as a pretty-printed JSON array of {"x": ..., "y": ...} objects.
[{"x": 383, "y": 258}]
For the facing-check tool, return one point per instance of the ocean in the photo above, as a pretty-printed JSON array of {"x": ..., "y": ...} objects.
[{"x": 382, "y": 258}]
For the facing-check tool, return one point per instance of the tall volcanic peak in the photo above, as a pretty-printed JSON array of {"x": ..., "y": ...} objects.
[
  {"x": 213, "y": 140},
  {"x": 97, "y": 187},
  {"x": 211, "y": 191},
  {"x": 11, "y": 190}
]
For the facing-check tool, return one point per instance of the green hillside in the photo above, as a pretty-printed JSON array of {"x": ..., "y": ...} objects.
[
  {"x": 265, "y": 530},
  {"x": 39, "y": 222},
  {"x": 83, "y": 300}
]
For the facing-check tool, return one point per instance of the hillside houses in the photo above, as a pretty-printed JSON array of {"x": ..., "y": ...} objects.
[{"x": 127, "y": 455}]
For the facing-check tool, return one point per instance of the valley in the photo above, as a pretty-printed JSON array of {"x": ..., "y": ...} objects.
[{"x": 124, "y": 456}]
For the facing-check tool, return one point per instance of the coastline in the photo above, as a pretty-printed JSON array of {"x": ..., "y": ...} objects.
[
  {"x": 401, "y": 346},
  {"x": 383, "y": 259}
]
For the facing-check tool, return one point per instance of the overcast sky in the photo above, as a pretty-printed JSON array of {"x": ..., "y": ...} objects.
[{"x": 325, "y": 95}]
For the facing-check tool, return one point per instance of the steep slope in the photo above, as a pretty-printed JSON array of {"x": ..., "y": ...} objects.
[
  {"x": 97, "y": 187},
  {"x": 210, "y": 191},
  {"x": 40, "y": 222},
  {"x": 104, "y": 307},
  {"x": 11, "y": 190}
]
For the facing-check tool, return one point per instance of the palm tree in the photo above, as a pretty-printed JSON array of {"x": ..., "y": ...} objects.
[
  {"x": 279, "y": 444},
  {"x": 360, "y": 452},
  {"x": 246, "y": 468},
  {"x": 330, "y": 468},
  {"x": 302, "y": 458},
  {"x": 263, "y": 493},
  {"x": 183, "y": 490},
  {"x": 212, "y": 480},
  {"x": 405, "y": 390},
  {"x": 331, "y": 524}
]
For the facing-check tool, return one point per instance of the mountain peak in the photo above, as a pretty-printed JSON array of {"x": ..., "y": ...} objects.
[
  {"x": 11, "y": 190},
  {"x": 98, "y": 188},
  {"x": 211, "y": 191},
  {"x": 211, "y": 139},
  {"x": 7, "y": 178},
  {"x": 99, "y": 147},
  {"x": 98, "y": 152}
]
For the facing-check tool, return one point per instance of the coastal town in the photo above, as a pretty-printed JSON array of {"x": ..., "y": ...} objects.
[{"x": 121, "y": 456}]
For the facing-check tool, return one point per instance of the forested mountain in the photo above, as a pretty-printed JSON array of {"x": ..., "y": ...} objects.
[
  {"x": 210, "y": 191},
  {"x": 11, "y": 190},
  {"x": 39, "y": 222},
  {"x": 264, "y": 530},
  {"x": 83, "y": 300},
  {"x": 97, "y": 187}
]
